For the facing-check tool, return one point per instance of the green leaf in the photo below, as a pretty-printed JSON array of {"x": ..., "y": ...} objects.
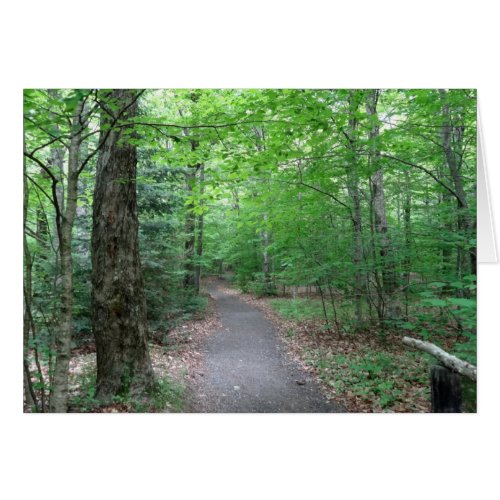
[
  {"x": 435, "y": 302},
  {"x": 468, "y": 303},
  {"x": 408, "y": 326}
]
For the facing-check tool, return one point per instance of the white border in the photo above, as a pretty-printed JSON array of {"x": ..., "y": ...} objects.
[{"x": 245, "y": 44}]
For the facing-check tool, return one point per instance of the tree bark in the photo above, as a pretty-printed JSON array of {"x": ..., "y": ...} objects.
[
  {"x": 448, "y": 360},
  {"x": 446, "y": 390},
  {"x": 189, "y": 244},
  {"x": 260, "y": 138},
  {"x": 56, "y": 160},
  {"x": 389, "y": 278},
  {"x": 199, "y": 238},
  {"x": 190, "y": 226},
  {"x": 353, "y": 191},
  {"x": 452, "y": 141},
  {"x": 266, "y": 261},
  {"x": 59, "y": 394},
  {"x": 407, "y": 261},
  {"x": 118, "y": 298},
  {"x": 27, "y": 292}
]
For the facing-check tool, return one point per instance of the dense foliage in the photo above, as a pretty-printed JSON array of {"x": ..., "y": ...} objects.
[{"x": 364, "y": 199}]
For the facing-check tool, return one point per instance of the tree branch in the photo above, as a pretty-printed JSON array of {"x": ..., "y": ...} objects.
[
  {"x": 112, "y": 126},
  {"x": 428, "y": 172},
  {"x": 55, "y": 137},
  {"x": 53, "y": 199},
  {"x": 448, "y": 360}
]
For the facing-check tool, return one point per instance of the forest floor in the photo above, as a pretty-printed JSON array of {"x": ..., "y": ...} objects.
[
  {"x": 243, "y": 355},
  {"x": 365, "y": 372},
  {"x": 175, "y": 360},
  {"x": 245, "y": 368}
]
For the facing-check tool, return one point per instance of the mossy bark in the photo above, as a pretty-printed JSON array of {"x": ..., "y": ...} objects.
[{"x": 118, "y": 298}]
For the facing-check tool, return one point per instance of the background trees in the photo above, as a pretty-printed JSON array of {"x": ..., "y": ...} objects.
[{"x": 365, "y": 175}]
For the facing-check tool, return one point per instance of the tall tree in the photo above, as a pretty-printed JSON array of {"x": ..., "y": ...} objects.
[
  {"x": 452, "y": 136},
  {"x": 29, "y": 393},
  {"x": 118, "y": 300},
  {"x": 59, "y": 396},
  {"x": 391, "y": 307},
  {"x": 190, "y": 225},
  {"x": 199, "y": 236},
  {"x": 352, "y": 170},
  {"x": 64, "y": 201}
]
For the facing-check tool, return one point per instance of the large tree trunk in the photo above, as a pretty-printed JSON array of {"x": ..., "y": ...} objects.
[
  {"x": 118, "y": 299},
  {"x": 59, "y": 394},
  {"x": 389, "y": 279}
]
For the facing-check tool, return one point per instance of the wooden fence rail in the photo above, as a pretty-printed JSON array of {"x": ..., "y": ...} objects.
[{"x": 446, "y": 385}]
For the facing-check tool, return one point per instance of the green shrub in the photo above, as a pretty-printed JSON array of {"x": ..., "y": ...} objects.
[
  {"x": 298, "y": 309},
  {"x": 167, "y": 395},
  {"x": 374, "y": 375}
]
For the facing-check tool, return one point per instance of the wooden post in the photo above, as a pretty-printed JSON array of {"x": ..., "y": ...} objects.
[{"x": 446, "y": 390}]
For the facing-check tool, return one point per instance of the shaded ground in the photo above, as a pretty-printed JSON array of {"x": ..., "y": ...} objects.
[
  {"x": 366, "y": 372},
  {"x": 175, "y": 358},
  {"x": 245, "y": 368}
]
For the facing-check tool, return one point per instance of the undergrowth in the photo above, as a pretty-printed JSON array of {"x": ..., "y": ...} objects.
[
  {"x": 379, "y": 377},
  {"x": 298, "y": 309},
  {"x": 192, "y": 308},
  {"x": 167, "y": 396},
  {"x": 370, "y": 369}
]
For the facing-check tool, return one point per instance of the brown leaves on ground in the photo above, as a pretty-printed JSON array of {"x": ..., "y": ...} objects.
[{"x": 178, "y": 357}]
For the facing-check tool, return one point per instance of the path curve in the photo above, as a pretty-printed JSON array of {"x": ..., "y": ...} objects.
[{"x": 246, "y": 370}]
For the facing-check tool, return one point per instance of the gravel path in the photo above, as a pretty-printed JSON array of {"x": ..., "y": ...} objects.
[{"x": 246, "y": 370}]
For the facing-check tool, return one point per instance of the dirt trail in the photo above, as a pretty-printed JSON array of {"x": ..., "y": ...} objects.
[{"x": 246, "y": 370}]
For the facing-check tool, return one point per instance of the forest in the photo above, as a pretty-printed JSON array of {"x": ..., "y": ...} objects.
[{"x": 344, "y": 217}]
